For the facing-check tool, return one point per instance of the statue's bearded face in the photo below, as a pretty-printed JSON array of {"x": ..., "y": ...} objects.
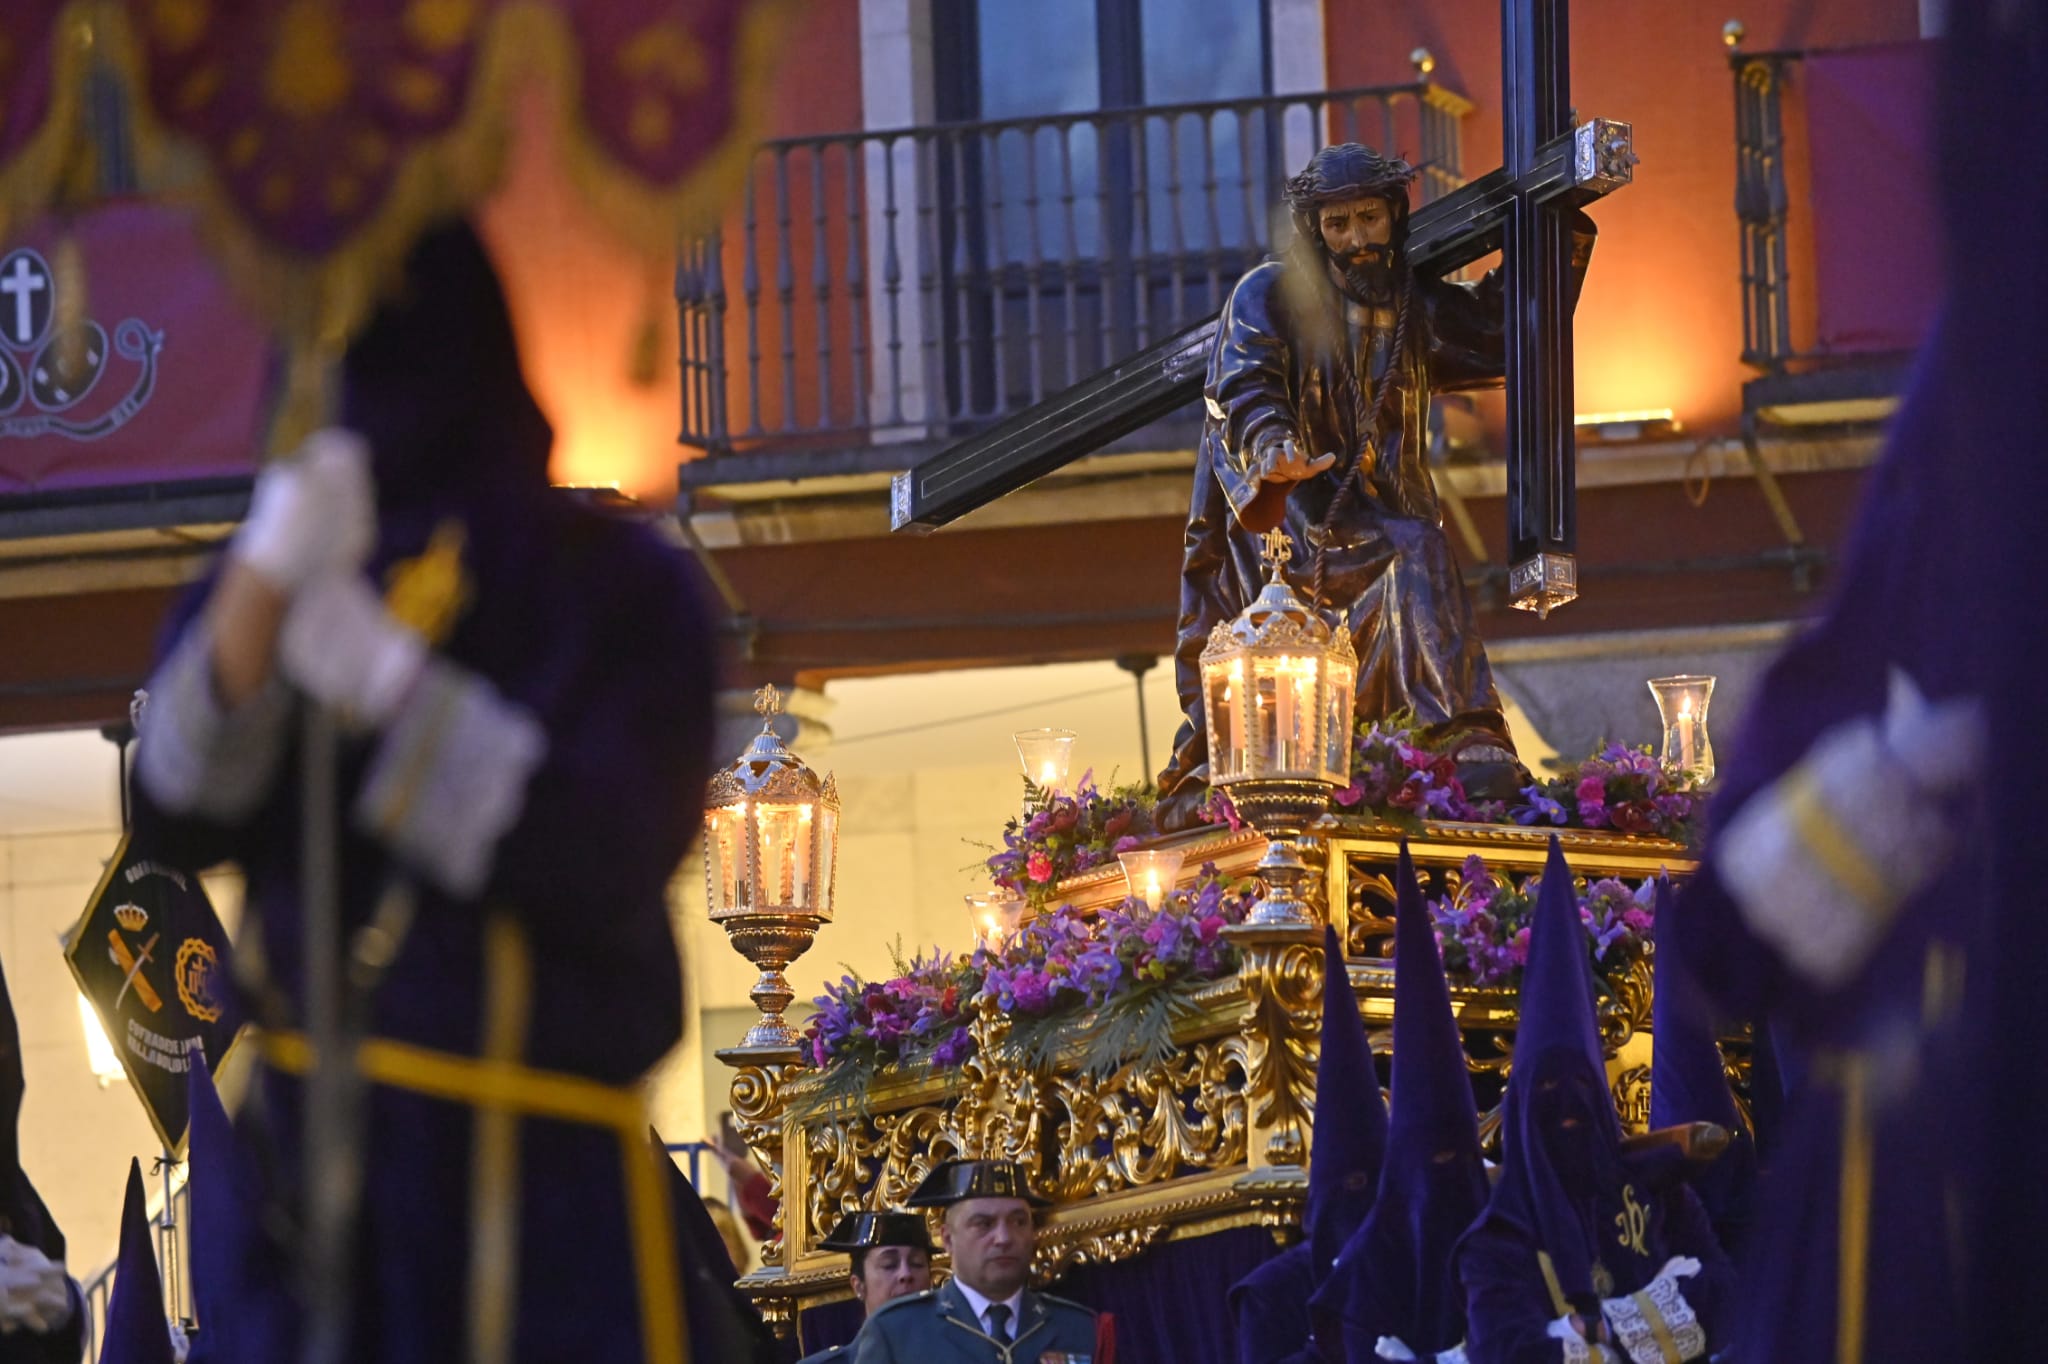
[{"x": 1358, "y": 234}]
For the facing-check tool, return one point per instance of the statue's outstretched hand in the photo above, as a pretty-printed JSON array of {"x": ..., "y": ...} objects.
[{"x": 1285, "y": 462}]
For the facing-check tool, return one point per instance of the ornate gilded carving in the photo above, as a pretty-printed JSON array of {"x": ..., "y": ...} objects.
[
  {"x": 757, "y": 1116},
  {"x": 1276, "y": 1044},
  {"x": 1632, "y": 1098},
  {"x": 1215, "y": 1135}
]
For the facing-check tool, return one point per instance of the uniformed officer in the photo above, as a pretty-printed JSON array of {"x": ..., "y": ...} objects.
[
  {"x": 892, "y": 1257},
  {"x": 985, "y": 1314}
]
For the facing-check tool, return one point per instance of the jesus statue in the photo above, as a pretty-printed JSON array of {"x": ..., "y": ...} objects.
[{"x": 1317, "y": 422}]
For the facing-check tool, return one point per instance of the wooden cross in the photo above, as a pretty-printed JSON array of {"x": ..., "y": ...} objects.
[{"x": 1550, "y": 167}]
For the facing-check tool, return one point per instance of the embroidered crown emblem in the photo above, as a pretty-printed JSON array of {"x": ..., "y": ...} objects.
[{"x": 131, "y": 917}]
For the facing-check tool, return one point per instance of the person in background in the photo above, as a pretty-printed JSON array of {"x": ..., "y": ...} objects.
[
  {"x": 986, "y": 1311},
  {"x": 40, "y": 1318},
  {"x": 892, "y": 1258},
  {"x": 729, "y": 1232}
]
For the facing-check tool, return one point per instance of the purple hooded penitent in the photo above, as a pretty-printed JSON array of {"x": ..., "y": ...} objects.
[
  {"x": 1688, "y": 1083},
  {"x": 546, "y": 772},
  {"x": 1270, "y": 1305},
  {"x": 137, "y": 1331},
  {"x": 1569, "y": 1223},
  {"x": 1394, "y": 1278}
]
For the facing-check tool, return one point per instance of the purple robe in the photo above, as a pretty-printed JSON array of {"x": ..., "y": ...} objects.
[{"x": 582, "y": 630}]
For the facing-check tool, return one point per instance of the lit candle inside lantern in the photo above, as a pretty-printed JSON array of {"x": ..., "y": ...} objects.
[
  {"x": 1045, "y": 755},
  {"x": 1151, "y": 874},
  {"x": 1283, "y": 718},
  {"x": 1236, "y": 709},
  {"x": 1682, "y": 704}
]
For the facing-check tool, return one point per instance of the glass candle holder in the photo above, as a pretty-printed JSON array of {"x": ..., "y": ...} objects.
[
  {"x": 1045, "y": 754},
  {"x": 1682, "y": 703},
  {"x": 1152, "y": 874},
  {"x": 996, "y": 918}
]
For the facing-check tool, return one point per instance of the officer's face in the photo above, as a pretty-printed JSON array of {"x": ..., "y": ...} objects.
[
  {"x": 891, "y": 1272},
  {"x": 991, "y": 1240}
]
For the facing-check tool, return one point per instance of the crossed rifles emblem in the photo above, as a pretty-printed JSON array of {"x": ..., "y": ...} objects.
[{"x": 132, "y": 963}]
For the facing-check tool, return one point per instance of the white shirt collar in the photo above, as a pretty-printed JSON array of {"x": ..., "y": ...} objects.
[{"x": 979, "y": 1305}]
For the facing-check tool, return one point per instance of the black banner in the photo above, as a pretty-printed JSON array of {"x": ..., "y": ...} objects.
[{"x": 152, "y": 957}]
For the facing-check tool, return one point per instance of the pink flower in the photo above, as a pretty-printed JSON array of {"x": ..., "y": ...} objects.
[
  {"x": 1518, "y": 947},
  {"x": 1039, "y": 868},
  {"x": 1592, "y": 791},
  {"x": 1637, "y": 918}
]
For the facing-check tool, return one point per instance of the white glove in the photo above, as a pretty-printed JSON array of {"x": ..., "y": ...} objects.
[
  {"x": 314, "y": 511},
  {"x": 35, "y": 1292},
  {"x": 343, "y": 649},
  {"x": 1820, "y": 861},
  {"x": 1941, "y": 744},
  {"x": 1679, "y": 1267},
  {"x": 181, "y": 1344},
  {"x": 1566, "y": 1328},
  {"x": 1393, "y": 1347}
]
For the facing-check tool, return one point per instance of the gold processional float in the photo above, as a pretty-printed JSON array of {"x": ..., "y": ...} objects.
[{"x": 1217, "y": 1134}]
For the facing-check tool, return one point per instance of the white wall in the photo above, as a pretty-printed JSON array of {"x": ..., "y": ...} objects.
[{"x": 59, "y": 822}]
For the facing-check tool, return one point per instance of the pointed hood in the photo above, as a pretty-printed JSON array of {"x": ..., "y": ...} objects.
[
  {"x": 723, "y": 1322},
  {"x": 1687, "y": 1081},
  {"x": 1395, "y": 1277},
  {"x": 222, "y": 1210},
  {"x": 434, "y": 381},
  {"x": 1562, "y": 1181},
  {"x": 136, "y": 1328},
  {"x": 22, "y": 1214},
  {"x": 1350, "y": 1135}
]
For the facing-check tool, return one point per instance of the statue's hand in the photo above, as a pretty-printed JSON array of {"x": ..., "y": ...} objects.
[{"x": 1285, "y": 462}]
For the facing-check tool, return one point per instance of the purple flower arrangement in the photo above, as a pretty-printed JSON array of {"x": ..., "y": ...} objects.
[
  {"x": 1398, "y": 774},
  {"x": 1402, "y": 776},
  {"x": 922, "y": 1010},
  {"x": 1109, "y": 982},
  {"x": 1620, "y": 788},
  {"x": 1483, "y": 930},
  {"x": 1068, "y": 835}
]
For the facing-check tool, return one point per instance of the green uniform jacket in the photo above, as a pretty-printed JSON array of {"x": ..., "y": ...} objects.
[
  {"x": 838, "y": 1354},
  {"x": 938, "y": 1327}
]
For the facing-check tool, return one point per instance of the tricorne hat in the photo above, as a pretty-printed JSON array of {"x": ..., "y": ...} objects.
[
  {"x": 867, "y": 1230},
  {"x": 956, "y": 1180}
]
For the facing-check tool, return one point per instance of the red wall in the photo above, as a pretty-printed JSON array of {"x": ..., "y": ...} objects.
[{"x": 1660, "y": 323}]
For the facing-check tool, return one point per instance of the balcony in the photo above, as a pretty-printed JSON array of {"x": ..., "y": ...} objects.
[
  {"x": 878, "y": 295},
  {"x": 1837, "y": 133}
]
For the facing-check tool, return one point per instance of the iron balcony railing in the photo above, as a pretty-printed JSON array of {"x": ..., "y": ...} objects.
[
  {"x": 913, "y": 284},
  {"x": 1762, "y": 205},
  {"x": 1764, "y": 211}
]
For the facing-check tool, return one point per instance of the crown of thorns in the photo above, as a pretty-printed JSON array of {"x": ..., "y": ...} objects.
[{"x": 1346, "y": 171}]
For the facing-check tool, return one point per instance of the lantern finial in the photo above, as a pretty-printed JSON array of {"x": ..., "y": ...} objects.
[
  {"x": 768, "y": 704},
  {"x": 1277, "y": 550}
]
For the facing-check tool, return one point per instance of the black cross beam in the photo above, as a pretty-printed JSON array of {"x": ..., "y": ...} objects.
[{"x": 1551, "y": 167}]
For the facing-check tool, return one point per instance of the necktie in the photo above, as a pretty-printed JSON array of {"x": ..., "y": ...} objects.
[{"x": 999, "y": 1322}]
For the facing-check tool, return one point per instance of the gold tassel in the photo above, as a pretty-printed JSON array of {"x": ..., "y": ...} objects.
[
  {"x": 69, "y": 308},
  {"x": 307, "y": 399}
]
